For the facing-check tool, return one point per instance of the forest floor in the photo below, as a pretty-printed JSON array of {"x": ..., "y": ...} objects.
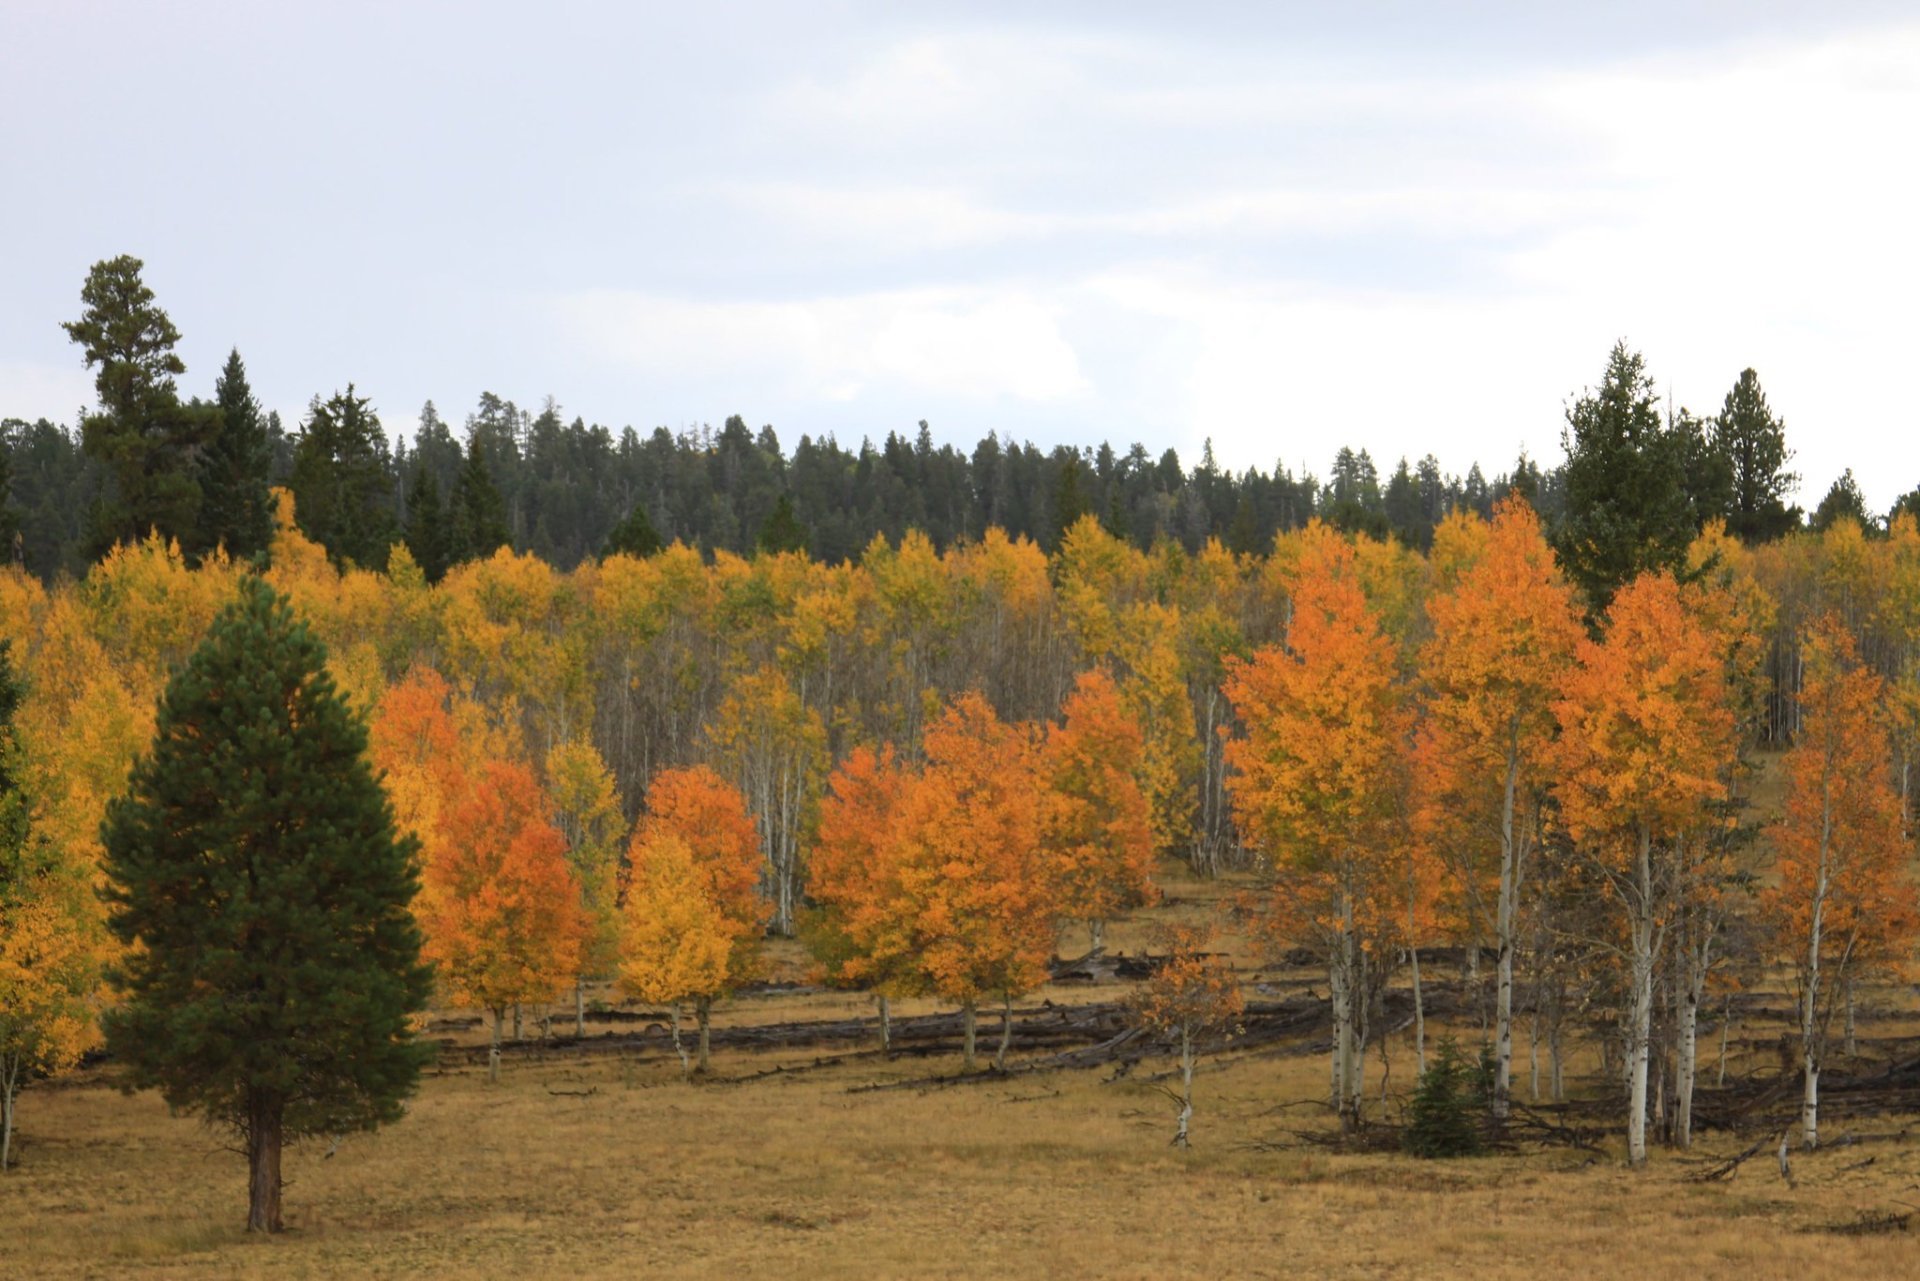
[{"x": 597, "y": 1159}]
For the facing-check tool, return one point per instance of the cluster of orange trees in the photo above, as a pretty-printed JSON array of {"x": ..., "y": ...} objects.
[{"x": 925, "y": 762}]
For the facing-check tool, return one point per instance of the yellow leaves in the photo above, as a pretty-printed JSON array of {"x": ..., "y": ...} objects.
[
  {"x": 1644, "y": 718},
  {"x": 675, "y": 942}
]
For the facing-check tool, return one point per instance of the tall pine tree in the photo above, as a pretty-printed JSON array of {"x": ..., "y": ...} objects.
[
  {"x": 257, "y": 877},
  {"x": 1627, "y": 510},
  {"x": 340, "y": 486},
  {"x": 427, "y": 533},
  {"x": 236, "y": 510},
  {"x": 148, "y": 440},
  {"x": 1754, "y": 444},
  {"x": 479, "y": 513}
]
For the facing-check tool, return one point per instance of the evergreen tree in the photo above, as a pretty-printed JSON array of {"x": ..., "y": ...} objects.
[
  {"x": 1626, "y": 510},
  {"x": 12, "y": 549},
  {"x": 340, "y": 484},
  {"x": 634, "y": 536},
  {"x": 148, "y": 440},
  {"x": 1754, "y": 443},
  {"x": 236, "y": 511},
  {"x": 782, "y": 531},
  {"x": 1908, "y": 504},
  {"x": 479, "y": 513},
  {"x": 1844, "y": 499},
  {"x": 1706, "y": 472},
  {"x": 255, "y": 871},
  {"x": 426, "y": 533}
]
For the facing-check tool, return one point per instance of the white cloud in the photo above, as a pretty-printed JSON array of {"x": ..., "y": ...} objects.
[{"x": 975, "y": 345}]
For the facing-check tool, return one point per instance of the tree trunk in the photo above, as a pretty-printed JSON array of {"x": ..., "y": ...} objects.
[
  {"x": 9, "y": 1087},
  {"x": 493, "y": 1048},
  {"x": 1641, "y": 1032},
  {"x": 679, "y": 1048},
  {"x": 579, "y": 1007},
  {"x": 886, "y": 1024},
  {"x": 966, "y": 1023},
  {"x": 1533, "y": 1049},
  {"x": 1810, "y": 987},
  {"x": 1419, "y": 1012},
  {"x": 1186, "y": 1086},
  {"x": 1504, "y": 917},
  {"x": 1096, "y": 935},
  {"x": 703, "y": 1011},
  {"x": 1683, "y": 1085},
  {"x": 264, "y": 1114},
  {"x": 1006, "y": 1032},
  {"x": 1851, "y": 1046}
]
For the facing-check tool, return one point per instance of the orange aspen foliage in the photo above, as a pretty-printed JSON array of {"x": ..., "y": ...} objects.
[
  {"x": 1096, "y": 828},
  {"x": 1192, "y": 995},
  {"x": 856, "y": 933},
  {"x": 1843, "y": 899},
  {"x": 1319, "y": 780},
  {"x": 504, "y": 924},
  {"x": 1504, "y": 636},
  {"x": 694, "y": 860},
  {"x": 1645, "y": 729},
  {"x": 710, "y": 815}
]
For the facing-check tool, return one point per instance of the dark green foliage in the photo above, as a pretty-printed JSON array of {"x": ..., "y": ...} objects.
[
  {"x": 12, "y": 546},
  {"x": 426, "y": 533},
  {"x": 783, "y": 531},
  {"x": 1843, "y": 500},
  {"x": 340, "y": 481},
  {"x": 1351, "y": 500},
  {"x": 1908, "y": 504},
  {"x": 1444, "y": 1116},
  {"x": 1706, "y": 472},
  {"x": 147, "y": 439},
  {"x": 634, "y": 536},
  {"x": 1626, "y": 510},
  {"x": 236, "y": 511},
  {"x": 1069, "y": 498},
  {"x": 1754, "y": 445},
  {"x": 479, "y": 516},
  {"x": 255, "y": 861}
]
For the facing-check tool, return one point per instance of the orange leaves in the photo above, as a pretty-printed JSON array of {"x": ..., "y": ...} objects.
[
  {"x": 1096, "y": 827},
  {"x": 1840, "y": 853},
  {"x": 503, "y": 920},
  {"x": 1318, "y": 771},
  {"x": 934, "y": 880},
  {"x": 1645, "y": 726},
  {"x": 1193, "y": 992}
]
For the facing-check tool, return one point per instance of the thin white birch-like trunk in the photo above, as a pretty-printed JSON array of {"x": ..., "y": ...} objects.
[
  {"x": 1505, "y": 913},
  {"x": 1640, "y": 1033},
  {"x": 9, "y": 1091},
  {"x": 1006, "y": 1032},
  {"x": 1419, "y": 1011},
  {"x": 679, "y": 1047},
  {"x": 1810, "y": 987},
  {"x": 1186, "y": 1085}
]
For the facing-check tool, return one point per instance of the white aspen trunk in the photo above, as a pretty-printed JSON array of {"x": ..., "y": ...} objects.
[
  {"x": 679, "y": 1047},
  {"x": 9, "y": 1088},
  {"x": 1419, "y": 1012},
  {"x": 1186, "y": 1085},
  {"x": 1006, "y": 1032},
  {"x": 1556, "y": 1061},
  {"x": 1504, "y": 915},
  {"x": 886, "y": 1024},
  {"x": 1684, "y": 1073},
  {"x": 1640, "y": 1033},
  {"x": 1810, "y": 1004},
  {"x": 1851, "y": 1046},
  {"x": 1727, "y": 1016},
  {"x": 967, "y": 1030},
  {"x": 1361, "y": 1004},
  {"x": 1342, "y": 1021}
]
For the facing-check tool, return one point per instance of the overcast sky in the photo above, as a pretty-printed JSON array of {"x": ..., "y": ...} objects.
[{"x": 1415, "y": 228}]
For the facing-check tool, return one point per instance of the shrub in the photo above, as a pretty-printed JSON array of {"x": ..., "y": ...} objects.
[{"x": 1444, "y": 1118}]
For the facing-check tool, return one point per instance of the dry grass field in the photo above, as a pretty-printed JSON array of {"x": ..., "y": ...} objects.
[{"x": 610, "y": 1165}]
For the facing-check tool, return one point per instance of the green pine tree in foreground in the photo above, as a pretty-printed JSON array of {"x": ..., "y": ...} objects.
[{"x": 255, "y": 863}]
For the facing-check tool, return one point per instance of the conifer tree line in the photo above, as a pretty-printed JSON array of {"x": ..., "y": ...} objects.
[
  {"x": 199, "y": 470},
  {"x": 1530, "y": 733}
]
